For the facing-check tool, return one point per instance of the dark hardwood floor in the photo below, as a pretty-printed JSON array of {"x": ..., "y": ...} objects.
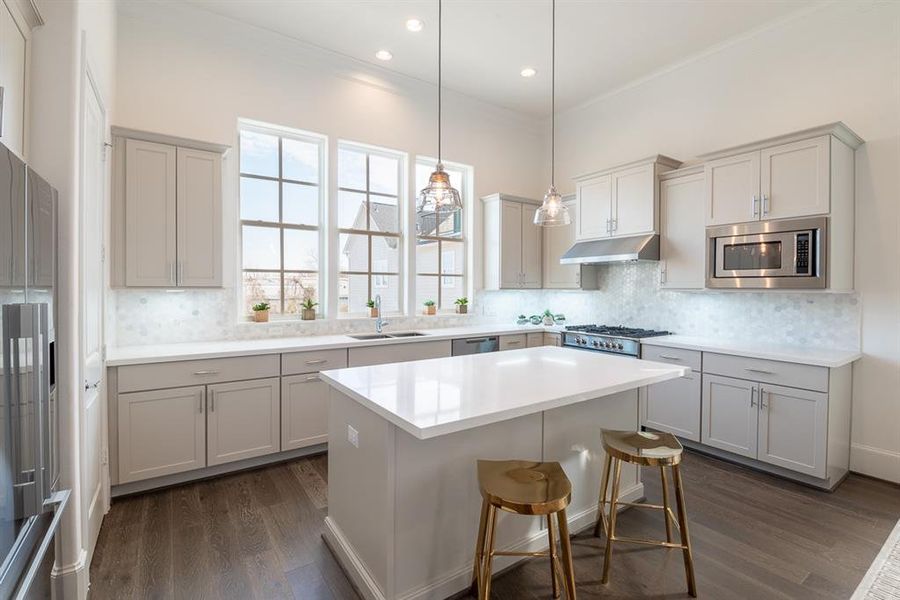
[{"x": 257, "y": 534}]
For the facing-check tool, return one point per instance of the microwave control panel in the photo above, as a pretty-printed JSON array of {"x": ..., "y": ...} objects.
[{"x": 802, "y": 265}]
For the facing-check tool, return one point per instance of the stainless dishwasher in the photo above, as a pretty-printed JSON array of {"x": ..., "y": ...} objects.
[{"x": 475, "y": 345}]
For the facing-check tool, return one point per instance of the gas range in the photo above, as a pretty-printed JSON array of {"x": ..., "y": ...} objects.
[{"x": 606, "y": 338}]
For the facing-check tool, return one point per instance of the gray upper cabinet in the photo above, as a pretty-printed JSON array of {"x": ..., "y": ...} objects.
[
  {"x": 512, "y": 243},
  {"x": 682, "y": 234},
  {"x": 167, "y": 211}
]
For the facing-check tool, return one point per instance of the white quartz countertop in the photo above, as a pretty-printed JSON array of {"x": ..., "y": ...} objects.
[
  {"x": 153, "y": 353},
  {"x": 820, "y": 357},
  {"x": 429, "y": 398}
]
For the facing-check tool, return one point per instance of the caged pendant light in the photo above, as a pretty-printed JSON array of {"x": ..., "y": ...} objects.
[
  {"x": 552, "y": 212},
  {"x": 439, "y": 195}
]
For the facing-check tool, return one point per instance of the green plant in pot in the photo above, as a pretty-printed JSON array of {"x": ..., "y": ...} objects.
[
  {"x": 430, "y": 308},
  {"x": 308, "y": 309},
  {"x": 261, "y": 312},
  {"x": 373, "y": 310},
  {"x": 548, "y": 318},
  {"x": 462, "y": 305}
]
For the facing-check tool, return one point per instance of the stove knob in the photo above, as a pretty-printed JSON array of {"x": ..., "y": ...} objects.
[
  {"x": 596, "y": 344},
  {"x": 619, "y": 346},
  {"x": 608, "y": 345}
]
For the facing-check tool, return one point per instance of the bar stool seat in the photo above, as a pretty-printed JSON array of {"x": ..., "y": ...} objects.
[
  {"x": 523, "y": 488},
  {"x": 647, "y": 449}
]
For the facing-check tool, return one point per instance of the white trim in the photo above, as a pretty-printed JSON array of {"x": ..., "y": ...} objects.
[
  {"x": 71, "y": 581},
  {"x": 460, "y": 579},
  {"x": 875, "y": 462}
]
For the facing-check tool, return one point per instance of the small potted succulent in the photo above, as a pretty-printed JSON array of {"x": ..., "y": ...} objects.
[
  {"x": 462, "y": 305},
  {"x": 373, "y": 311},
  {"x": 430, "y": 308},
  {"x": 548, "y": 318},
  {"x": 308, "y": 309},
  {"x": 261, "y": 312},
  {"x": 522, "y": 320}
]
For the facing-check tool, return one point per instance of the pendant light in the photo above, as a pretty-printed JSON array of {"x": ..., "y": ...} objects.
[
  {"x": 439, "y": 195},
  {"x": 552, "y": 212}
]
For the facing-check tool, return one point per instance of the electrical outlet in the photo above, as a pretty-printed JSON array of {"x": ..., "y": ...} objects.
[{"x": 353, "y": 436}]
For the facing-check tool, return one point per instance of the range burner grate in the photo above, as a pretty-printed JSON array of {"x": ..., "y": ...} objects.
[{"x": 616, "y": 330}]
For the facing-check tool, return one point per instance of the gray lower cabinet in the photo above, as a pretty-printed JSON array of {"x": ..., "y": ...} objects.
[
  {"x": 793, "y": 427},
  {"x": 242, "y": 420},
  {"x": 730, "y": 416},
  {"x": 304, "y": 411},
  {"x": 161, "y": 432},
  {"x": 674, "y": 406}
]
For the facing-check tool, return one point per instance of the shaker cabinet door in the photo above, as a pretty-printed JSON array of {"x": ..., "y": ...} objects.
[
  {"x": 557, "y": 240},
  {"x": 510, "y": 244},
  {"x": 531, "y": 248},
  {"x": 674, "y": 406},
  {"x": 161, "y": 432},
  {"x": 796, "y": 179},
  {"x": 304, "y": 411},
  {"x": 732, "y": 189},
  {"x": 243, "y": 420},
  {"x": 682, "y": 234},
  {"x": 634, "y": 200},
  {"x": 730, "y": 415},
  {"x": 150, "y": 259},
  {"x": 199, "y": 218},
  {"x": 594, "y": 208},
  {"x": 792, "y": 428}
]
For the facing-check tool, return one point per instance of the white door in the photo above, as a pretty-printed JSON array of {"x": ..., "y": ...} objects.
[
  {"x": 243, "y": 420},
  {"x": 510, "y": 244},
  {"x": 682, "y": 234},
  {"x": 732, "y": 189},
  {"x": 796, "y": 179},
  {"x": 674, "y": 406},
  {"x": 633, "y": 201},
  {"x": 730, "y": 414},
  {"x": 93, "y": 231},
  {"x": 594, "y": 208},
  {"x": 199, "y": 222},
  {"x": 161, "y": 432},
  {"x": 557, "y": 240},
  {"x": 531, "y": 249},
  {"x": 792, "y": 428},
  {"x": 149, "y": 214},
  {"x": 304, "y": 411}
]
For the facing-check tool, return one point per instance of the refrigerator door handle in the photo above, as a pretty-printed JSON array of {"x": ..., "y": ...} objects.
[{"x": 57, "y": 502}]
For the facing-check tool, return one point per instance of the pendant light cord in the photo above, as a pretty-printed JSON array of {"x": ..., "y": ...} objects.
[
  {"x": 440, "y": 29},
  {"x": 553, "y": 98}
]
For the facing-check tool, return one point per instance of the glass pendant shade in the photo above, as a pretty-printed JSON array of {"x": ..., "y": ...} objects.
[
  {"x": 439, "y": 195},
  {"x": 552, "y": 212}
]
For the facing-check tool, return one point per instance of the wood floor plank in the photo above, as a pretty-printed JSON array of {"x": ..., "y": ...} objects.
[{"x": 257, "y": 534}]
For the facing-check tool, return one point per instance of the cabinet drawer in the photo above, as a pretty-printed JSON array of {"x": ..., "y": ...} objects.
[
  {"x": 513, "y": 342},
  {"x": 157, "y": 376},
  {"x": 767, "y": 371},
  {"x": 677, "y": 356},
  {"x": 297, "y": 363}
]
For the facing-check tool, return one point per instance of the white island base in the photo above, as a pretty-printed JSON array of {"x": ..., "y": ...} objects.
[{"x": 403, "y": 512}]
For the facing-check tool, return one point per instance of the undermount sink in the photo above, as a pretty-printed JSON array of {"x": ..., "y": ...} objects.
[
  {"x": 371, "y": 336},
  {"x": 405, "y": 334}
]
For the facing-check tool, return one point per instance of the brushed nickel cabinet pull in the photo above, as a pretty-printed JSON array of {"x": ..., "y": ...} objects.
[
  {"x": 761, "y": 371},
  {"x": 318, "y": 361},
  {"x": 669, "y": 357},
  {"x": 311, "y": 378},
  {"x": 206, "y": 372}
]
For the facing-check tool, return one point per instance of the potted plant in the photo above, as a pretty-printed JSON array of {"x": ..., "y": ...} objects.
[
  {"x": 430, "y": 308},
  {"x": 522, "y": 320},
  {"x": 548, "y": 317},
  {"x": 462, "y": 305},
  {"x": 261, "y": 312},
  {"x": 373, "y": 312},
  {"x": 308, "y": 312}
]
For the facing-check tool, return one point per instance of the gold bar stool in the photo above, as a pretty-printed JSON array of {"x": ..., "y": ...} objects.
[
  {"x": 523, "y": 488},
  {"x": 647, "y": 449}
]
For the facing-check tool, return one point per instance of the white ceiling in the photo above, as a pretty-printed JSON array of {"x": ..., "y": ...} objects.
[{"x": 602, "y": 45}]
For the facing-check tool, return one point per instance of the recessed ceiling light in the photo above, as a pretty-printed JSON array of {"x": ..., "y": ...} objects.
[
  {"x": 383, "y": 55},
  {"x": 528, "y": 72},
  {"x": 414, "y": 25}
]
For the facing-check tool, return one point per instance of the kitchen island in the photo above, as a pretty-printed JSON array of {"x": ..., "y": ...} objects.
[{"x": 403, "y": 501}]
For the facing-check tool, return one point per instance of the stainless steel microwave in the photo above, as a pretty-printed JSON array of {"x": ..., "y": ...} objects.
[{"x": 790, "y": 253}]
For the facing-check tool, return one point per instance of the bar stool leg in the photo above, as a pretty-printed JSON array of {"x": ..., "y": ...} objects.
[
  {"x": 604, "y": 483},
  {"x": 489, "y": 554},
  {"x": 685, "y": 534},
  {"x": 665, "y": 495},
  {"x": 479, "y": 549},
  {"x": 568, "y": 565},
  {"x": 611, "y": 532},
  {"x": 553, "y": 558}
]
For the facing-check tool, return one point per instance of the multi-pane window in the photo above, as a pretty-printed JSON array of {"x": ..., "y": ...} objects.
[
  {"x": 369, "y": 226},
  {"x": 440, "y": 245},
  {"x": 280, "y": 206}
]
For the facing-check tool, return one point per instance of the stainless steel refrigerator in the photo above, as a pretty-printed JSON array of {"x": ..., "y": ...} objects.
[{"x": 31, "y": 503}]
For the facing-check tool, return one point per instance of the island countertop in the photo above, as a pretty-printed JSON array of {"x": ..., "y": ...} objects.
[{"x": 430, "y": 398}]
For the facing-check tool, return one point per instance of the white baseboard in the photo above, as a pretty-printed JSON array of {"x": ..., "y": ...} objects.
[
  {"x": 875, "y": 462},
  {"x": 70, "y": 582},
  {"x": 459, "y": 580}
]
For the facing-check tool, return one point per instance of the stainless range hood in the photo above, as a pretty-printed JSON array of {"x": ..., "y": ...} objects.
[{"x": 613, "y": 250}]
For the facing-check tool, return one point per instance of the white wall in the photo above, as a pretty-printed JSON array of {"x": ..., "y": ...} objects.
[
  {"x": 56, "y": 81},
  {"x": 837, "y": 63},
  {"x": 192, "y": 74}
]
